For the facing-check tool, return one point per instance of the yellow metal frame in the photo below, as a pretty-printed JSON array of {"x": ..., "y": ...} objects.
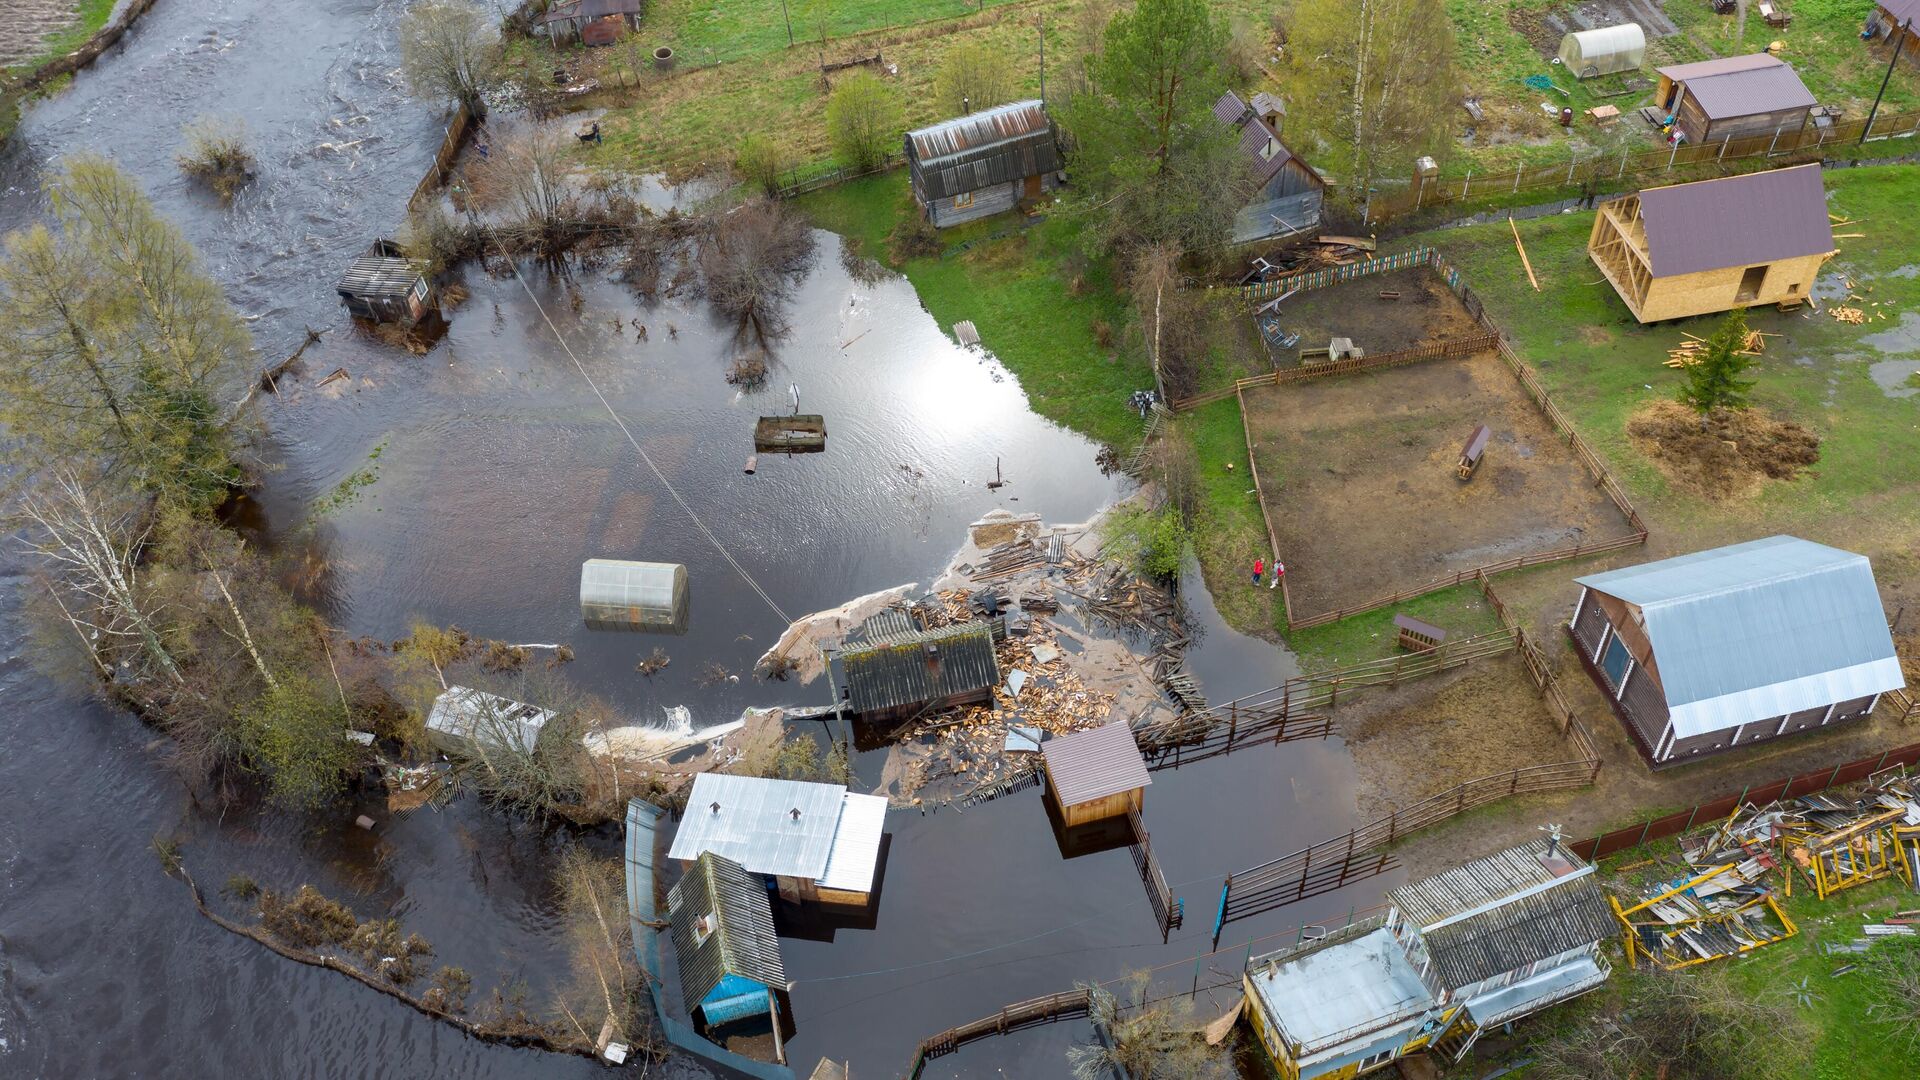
[{"x": 1632, "y": 934}]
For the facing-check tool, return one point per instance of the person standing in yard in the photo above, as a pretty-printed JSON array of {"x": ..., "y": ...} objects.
[
  {"x": 1279, "y": 568},
  {"x": 1259, "y": 568}
]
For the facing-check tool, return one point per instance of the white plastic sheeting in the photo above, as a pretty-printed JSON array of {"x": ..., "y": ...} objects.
[{"x": 1604, "y": 50}]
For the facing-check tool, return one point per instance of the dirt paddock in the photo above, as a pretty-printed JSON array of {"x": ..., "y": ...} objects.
[
  {"x": 1427, "y": 311},
  {"x": 1358, "y": 476}
]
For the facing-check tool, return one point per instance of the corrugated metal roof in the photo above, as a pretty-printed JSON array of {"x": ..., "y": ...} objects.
[
  {"x": 1342, "y": 989},
  {"x": 1742, "y": 85},
  {"x": 590, "y": 9},
  {"x": 1902, "y": 10},
  {"x": 1094, "y": 764},
  {"x": 1230, "y": 109},
  {"x": 1745, "y": 220},
  {"x": 377, "y": 275},
  {"x": 994, "y": 146},
  {"x": 1760, "y": 629},
  {"x": 856, "y": 844},
  {"x": 1524, "y": 930},
  {"x": 738, "y": 938},
  {"x": 1482, "y": 882},
  {"x": 1517, "y": 999},
  {"x": 902, "y": 672},
  {"x": 755, "y": 824},
  {"x": 1265, "y": 152}
]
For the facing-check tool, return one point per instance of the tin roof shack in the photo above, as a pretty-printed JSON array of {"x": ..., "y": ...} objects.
[
  {"x": 383, "y": 286},
  {"x": 1604, "y": 50},
  {"x": 983, "y": 163},
  {"x": 1481, "y": 945},
  {"x": 1714, "y": 245},
  {"x": 1734, "y": 97},
  {"x": 899, "y": 675},
  {"x": 618, "y": 594},
  {"x": 723, "y": 940},
  {"x": 816, "y": 842},
  {"x": 1736, "y": 645},
  {"x": 1095, "y": 775},
  {"x": 1287, "y": 191},
  {"x": 469, "y": 721},
  {"x": 591, "y": 22}
]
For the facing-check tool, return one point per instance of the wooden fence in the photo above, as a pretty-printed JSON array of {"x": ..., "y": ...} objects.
[
  {"x": 1333, "y": 275},
  {"x": 1168, "y": 912},
  {"x": 797, "y": 185},
  {"x": 1756, "y": 794},
  {"x": 464, "y": 121},
  {"x": 1718, "y": 157},
  {"x": 1025, "y": 1014},
  {"x": 1466, "y": 346}
]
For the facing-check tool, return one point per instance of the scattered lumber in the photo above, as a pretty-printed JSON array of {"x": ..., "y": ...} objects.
[
  {"x": 1522, "y": 248},
  {"x": 1848, "y": 315},
  {"x": 1688, "y": 352}
]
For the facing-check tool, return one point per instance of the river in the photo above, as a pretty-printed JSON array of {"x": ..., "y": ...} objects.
[{"x": 501, "y": 470}]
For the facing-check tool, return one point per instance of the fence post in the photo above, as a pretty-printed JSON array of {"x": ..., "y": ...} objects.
[
  {"x": 1623, "y": 164},
  {"x": 1516, "y": 178},
  {"x": 1724, "y": 143},
  {"x": 1573, "y": 158},
  {"x": 1671, "y": 154},
  {"x": 1465, "y": 185}
]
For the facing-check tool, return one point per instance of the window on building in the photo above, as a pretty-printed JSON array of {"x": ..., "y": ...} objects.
[
  {"x": 1374, "y": 1061},
  {"x": 962, "y": 202},
  {"x": 1614, "y": 663}
]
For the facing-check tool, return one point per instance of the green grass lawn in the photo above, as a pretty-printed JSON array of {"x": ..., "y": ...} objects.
[
  {"x": 708, "y": 32},
  {"x": 1034, "y": 301}
]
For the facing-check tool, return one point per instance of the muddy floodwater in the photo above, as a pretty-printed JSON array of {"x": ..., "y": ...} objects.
[{"x": 500, "y": 471}]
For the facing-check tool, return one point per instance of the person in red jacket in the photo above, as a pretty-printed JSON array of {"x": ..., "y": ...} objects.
[{"x": 1259, "y": 568}]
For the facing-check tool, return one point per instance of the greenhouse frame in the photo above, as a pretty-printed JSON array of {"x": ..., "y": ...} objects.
[
  {"x": 616, "y": 594},
  {"x": 1604, "y": 50}
]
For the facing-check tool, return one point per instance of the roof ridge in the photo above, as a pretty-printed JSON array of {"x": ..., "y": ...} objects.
[{"x": 1751, "y": 583}]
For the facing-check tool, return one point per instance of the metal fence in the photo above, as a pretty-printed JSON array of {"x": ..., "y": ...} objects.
[{"x": 1719, "y": 157}]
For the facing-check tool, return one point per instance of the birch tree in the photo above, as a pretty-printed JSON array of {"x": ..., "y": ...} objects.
[
  {"x": 1375, "y": 82},
  {"x": 449, "y": 49}
]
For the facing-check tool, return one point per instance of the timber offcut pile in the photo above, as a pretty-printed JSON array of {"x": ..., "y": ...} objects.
[{"x": 1689, "y": 352}]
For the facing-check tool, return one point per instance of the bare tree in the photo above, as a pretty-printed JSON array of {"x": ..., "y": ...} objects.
[
  {"x": 1682, "y": 1027},
  {"x": 449, "y": 50},
  {"x": 89, "y": 550},
  {"x": 750, "y": 260},
  {"x": 1149, "y": 1041},
  {"x": 525, "y": 179}
]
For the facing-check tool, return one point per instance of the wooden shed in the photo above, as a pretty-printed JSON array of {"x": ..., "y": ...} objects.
[
  {"x": 1714, "y": 245},
  {"x": 1734, "y": 97},
  {"x": 1287, "y": 192},
  {"x": 983, "y": 163},
  {"x": 895, "y": 676},
  {"x": 1096, "y": 775},
  {"x": 1900, "y": 19},
  {"x": 591, "y": 22},
  {"x": 721, "y": 923},
  {"x": 384, "y": 286}
]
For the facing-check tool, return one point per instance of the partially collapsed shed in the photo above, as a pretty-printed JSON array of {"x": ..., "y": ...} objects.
[
  {"x": 983, "y": 163},
  {"x": 1287, "y": 191},
  {"x": 724, "y": 942},
  {"x": 1734, "y": 97},
  {"x": 900, "y": 674},
  {"x": 384, "y": 286},
  {"x": 591, "y": 22},
  {"x": 1713, "y": 245},
  {"x": 1604, "y": 50},
  {"x": 814, "y": 842},
  {"x": 1736, "y": 645}
]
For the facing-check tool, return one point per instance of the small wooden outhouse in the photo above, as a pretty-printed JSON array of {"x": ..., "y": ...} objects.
[
  {"x": 1095, "y": 775},
  {"x": 384, "y": 286}
]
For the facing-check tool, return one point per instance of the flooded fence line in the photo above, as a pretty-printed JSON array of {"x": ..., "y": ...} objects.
[
  {"x": 462, "y": 125},
  {"x": 1699, "y": 161},
  {"x": 1169, "y": 912}
]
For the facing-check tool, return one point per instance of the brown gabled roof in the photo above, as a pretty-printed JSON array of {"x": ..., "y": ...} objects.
[
  {"x": 1746, "y": 220},
  {"x": 1094, "y": 764},
  {"x": 1742, "y": 85},
  {"x": 1265, "y": 152},
  {"x": 993, "y": 146}
]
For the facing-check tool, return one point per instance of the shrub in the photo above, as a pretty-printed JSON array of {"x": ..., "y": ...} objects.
[
  {"x": 296, "y": 734},
  {"x": 863, "y": 121},
  {"x": 761, "y": 161},
  {"x": 215, "y": 153},
  {"x": 1153, "y": 542}
]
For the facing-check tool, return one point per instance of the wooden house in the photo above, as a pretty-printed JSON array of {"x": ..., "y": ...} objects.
[
  {"x": 1733, "y": 98},
  {"x": 1287, "y": 192},
  {"x": 903, "y": 672},
  {"x": 384, "y": 286},
  {"x": 1464, "y": 952},
  {"x": 1095, "y": 775},
  {"x": 721, "y": 923},
  {"x": 983, "y": 163},
  {"x": 1899, "y": 21},
  {"x": 1713, "y": 245},
  {"x": 591, "y": 22},
  {"x": 1736, "y": 645},
  {"x": 815, "y": 843}
]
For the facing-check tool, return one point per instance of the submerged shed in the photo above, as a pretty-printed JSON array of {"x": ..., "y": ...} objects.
[
  {"x": 1604, "y": 50},
  {"x": 384, "y": 286},
  {"x": 817, "y": 842},
  {"x": 617, "y": 594},
  {"x": 463, "y": 719},
  {"x": 1096, "y": 775},
  {"x": 898, "y": 675},
  {"x": 724, "y": 942}
]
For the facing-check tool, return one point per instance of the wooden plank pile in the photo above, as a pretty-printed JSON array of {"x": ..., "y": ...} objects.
[{"x": 1689, "y": 352}]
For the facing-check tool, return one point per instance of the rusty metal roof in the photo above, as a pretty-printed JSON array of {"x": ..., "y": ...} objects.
[
  {"x": 1266, "y": 153},
  {"x": 1736, "y": 221},
  {"x": 1094, "y": 764},
  {"x": 1742, "y": 85},
  {"x": 994, "y": 146},
  {"x": 590, "y": 9}
]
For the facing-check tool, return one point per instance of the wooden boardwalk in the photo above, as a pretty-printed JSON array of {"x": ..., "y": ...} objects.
[{"x": 1018, "y": 1016}]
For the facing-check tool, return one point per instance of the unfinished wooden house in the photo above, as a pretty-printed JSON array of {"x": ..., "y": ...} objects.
[
  {"x": 1287, "y": 192},
  {"x": 1736, "y": 645},
  {"x": 383, "y": 286},
  {"x": 1733, "y": 98},
  {"x": 721, "y": 923},
  {"x": 1714, "y": 245},
  {"x": 1459, "y": 954},
  {"x": 816, "y": 843},
  {"x": 983, "y": 163},
  {"x": 1095, "y": 775},
  {"x": 897, "y": 674}
]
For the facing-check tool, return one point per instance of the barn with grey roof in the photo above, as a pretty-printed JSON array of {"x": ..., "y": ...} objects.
[
  {"x": 1736, "y": 645},
  {"x": 983, "y": 163}
]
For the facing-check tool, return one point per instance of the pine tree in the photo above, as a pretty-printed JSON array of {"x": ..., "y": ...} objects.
[{"x": 1714, "y": 382}]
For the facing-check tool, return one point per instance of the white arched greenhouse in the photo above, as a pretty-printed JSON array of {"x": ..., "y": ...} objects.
[
  {"x": 1604, "y": 50},
  {"x": 642, "y": 596}
]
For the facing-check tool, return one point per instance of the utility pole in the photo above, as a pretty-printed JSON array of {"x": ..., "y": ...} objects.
[
  {"x": 785, "y": 14},
  {"x": 1043, "y": 60},
  {"x": 1899, "y": 42}
]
